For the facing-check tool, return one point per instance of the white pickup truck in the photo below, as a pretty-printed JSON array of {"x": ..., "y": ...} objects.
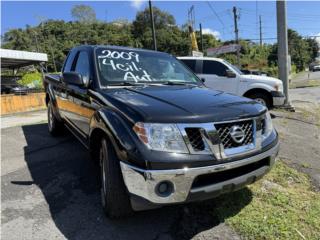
[{"x": 221, "y": 75}]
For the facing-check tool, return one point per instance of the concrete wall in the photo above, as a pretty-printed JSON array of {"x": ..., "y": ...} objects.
[{"x": 13, "y": 103}]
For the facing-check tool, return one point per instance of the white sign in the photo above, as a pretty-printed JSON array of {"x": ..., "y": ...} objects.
[
  {"x": 197, "y": 54},
  {"x": 223, "y": 49}
]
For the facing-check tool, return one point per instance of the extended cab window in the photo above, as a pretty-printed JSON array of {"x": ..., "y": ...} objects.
[
  {"x": 124, "y": 65},
  {"x": 69, "y": 61},
  {"x": 82, "y": 66},
  {"x": 214, "y": 67}
]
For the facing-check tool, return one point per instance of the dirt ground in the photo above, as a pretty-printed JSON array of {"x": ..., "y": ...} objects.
[{"x": 300, "y": 137}]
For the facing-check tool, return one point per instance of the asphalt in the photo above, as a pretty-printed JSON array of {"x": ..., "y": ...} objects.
[{"x": 50, "y": 191}]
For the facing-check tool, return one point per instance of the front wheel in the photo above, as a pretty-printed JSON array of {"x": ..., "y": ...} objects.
[
  {"x": 262, "y": 99},
  {"x": 114, "y": 196}
]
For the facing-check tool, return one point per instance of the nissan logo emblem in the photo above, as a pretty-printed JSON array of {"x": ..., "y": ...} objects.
[{"x": 237, "y": 134}]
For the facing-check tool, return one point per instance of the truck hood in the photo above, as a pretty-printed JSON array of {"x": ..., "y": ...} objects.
[
  {"x": 264, "y": 79},
  {"x": 179, "y": 104}
]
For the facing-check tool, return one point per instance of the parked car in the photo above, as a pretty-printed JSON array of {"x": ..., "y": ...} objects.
[
  {"x": 316, "y": 68},
  {"x": 219, "y": 74},
  {"x": 159, "y": 136},
  {"x": 15, "y": 89}
]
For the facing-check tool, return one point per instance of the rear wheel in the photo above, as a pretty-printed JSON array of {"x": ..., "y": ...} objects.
[
  {"x": 114, "y": 196},
  {"x": 54, "y": 125},
  {"x": 262, "y": 99}
]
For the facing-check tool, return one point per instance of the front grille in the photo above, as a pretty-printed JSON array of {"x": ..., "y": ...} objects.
[
  {"x": 225, "y": 137},
  {"x": 195, "y": 138}
]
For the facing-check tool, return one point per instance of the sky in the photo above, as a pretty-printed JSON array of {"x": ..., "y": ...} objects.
[{"x": 216, "y": 17}]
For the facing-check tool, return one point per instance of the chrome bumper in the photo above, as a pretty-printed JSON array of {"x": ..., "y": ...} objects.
[
  {"x": 278, "y": 98},
  {"x": 278, "y": 101},
  {"x": 143, "y": 183}
]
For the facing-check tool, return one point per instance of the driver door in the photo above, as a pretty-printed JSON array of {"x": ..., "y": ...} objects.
[
  {"x": 80, "y": 103},
  {"x": 214, "y": 73}
]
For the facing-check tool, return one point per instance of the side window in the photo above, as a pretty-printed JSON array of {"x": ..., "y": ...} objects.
[
  {"x": 190, "y": 63},
  {"x": 214, "y": 67},
  {"x": 69, "y": 61},
  {"x": 82, "y": 66}
]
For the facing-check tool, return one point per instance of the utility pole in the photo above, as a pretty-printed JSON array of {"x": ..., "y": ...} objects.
[
  {"x": 201, "y": 37},
  {"x": 152, "y": 27},
  {"x": 236, "y": 31},
  {"x": 191, "y": 17},
  {"x": 283, "y": 55},
  {"x": 260, "y": 28}
]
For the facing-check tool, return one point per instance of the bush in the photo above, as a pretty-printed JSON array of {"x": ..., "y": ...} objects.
[{"x": 33, "y": 80}]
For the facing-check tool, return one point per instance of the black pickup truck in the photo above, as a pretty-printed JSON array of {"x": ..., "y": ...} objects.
[{"x": 157, "y": 133}]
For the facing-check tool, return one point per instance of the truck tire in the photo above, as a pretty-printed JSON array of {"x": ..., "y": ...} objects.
[
  {"x": 114, "y": 196},
  {"x": 261, "y": 98},
  {"x": 54, "y": 125}
]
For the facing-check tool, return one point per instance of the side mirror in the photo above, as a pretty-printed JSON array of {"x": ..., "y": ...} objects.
[
  {"x": 230, "y": 74},
  {"x": 203, "y": 80},
  {"x": 73, "y": 78}
]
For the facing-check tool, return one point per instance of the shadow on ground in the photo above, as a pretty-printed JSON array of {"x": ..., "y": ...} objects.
[{"x": 69, "y": 182}]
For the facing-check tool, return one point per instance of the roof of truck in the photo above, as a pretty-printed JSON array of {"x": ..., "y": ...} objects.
[
  {"x": 201, "y": 58},
  {"x": 117, "y": 47}
]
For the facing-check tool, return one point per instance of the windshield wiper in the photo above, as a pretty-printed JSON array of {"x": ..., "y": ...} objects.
[
  {"x": 125, "y": 84},
  {"x": 176, "y": 83}
]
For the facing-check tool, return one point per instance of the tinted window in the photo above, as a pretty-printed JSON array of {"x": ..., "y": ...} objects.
[
  {"x": 190, "y": 63},
  {"x": 214, "y": 67},
  {"x": 69, "y": 61},
  {"x": 82, "y": 66}
]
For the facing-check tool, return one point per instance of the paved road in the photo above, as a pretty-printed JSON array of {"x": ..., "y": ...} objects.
[
  {"x": 311, "y": 94},
  {"x": 50, "y": 191},
  {"x": 26, "y": 118},
  {"x": 303, "y": 76}
]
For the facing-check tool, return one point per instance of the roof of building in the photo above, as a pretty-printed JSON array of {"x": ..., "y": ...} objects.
[{"x": 15, "y": 59}]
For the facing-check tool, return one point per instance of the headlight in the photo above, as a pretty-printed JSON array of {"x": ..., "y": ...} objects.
[
  {"x": 161, "y": 137},
  {"x": 268, "y": 127},
  {"x": 278, "y": 87}
]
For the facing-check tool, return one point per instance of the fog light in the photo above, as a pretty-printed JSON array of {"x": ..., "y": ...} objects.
[{"x": 164, "y": 189}]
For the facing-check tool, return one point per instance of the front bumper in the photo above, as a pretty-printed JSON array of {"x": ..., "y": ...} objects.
[
  {"x": 278, "y": 98},
  {"x": 144, "y": 183}
]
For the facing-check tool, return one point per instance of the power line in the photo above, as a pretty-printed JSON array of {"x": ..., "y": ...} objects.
[{"x": 215, "y": 13}]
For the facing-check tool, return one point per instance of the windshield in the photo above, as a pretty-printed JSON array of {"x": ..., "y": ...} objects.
[
  {"x": 234, "y": 68},
  {"x": 136, "y": 66}
]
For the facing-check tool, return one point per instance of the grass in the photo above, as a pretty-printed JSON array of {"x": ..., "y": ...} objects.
[
  {"x": 283, "y": 206},
  {"x": 308, "y": 83}
]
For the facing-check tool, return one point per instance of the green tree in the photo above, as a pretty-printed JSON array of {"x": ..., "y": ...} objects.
[
  {"x": 313, "y": 48},
  {"x": 83, "y": 13},
  {"x": 170, "y": 38},
  {"x": 302, "y": 51}
]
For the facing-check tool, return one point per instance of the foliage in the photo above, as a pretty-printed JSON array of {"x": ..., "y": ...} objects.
[
  {"x": 83, "y": 13},
  {"x": 170, "y": 38},
  {"x": 302, "y": 51},
  {"x": 33, "y": 79}
]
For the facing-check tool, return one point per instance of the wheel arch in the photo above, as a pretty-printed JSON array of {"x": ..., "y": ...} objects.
[
  {"x": 107, "y": 124},
  {"x": 259, "y": 90}
]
